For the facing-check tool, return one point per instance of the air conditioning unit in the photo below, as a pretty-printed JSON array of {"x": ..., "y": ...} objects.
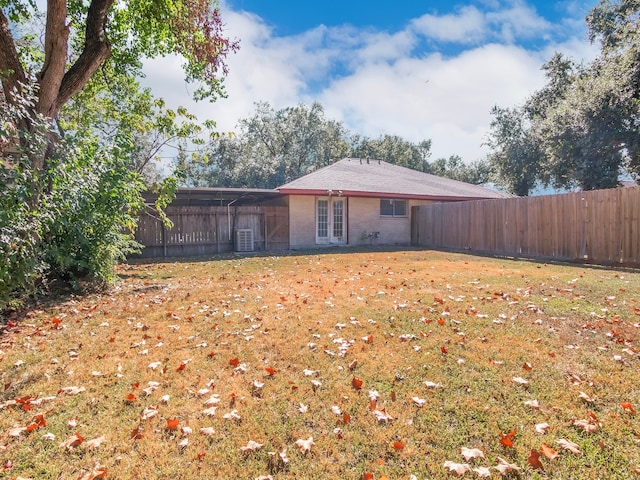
[{"x": 244, "y": 240}]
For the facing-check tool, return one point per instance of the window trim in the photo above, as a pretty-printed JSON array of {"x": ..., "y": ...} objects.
[{"x": 393, "y": 207}]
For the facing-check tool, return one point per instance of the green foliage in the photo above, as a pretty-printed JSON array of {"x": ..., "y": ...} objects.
[
  {"x": 120, "y": 113},
  {"x": 393, "y": 149},
  {"x": 275, "y": 147},
  {"x": 272, "y": 148},
  {"x": 73, "y": 221},
  {"x": 70, "y": 195},
  {"x": 21, "y": 227},
  {"x": 585, "y": 131},
  {"x": 142, "y": 29},
  {"x": 166, "y": 193},
  {"x": 18, "y": 10},
  {"x": 581, "y": 129},
  {"x": 616, "y": 77},
  {"x": 516, "y": 157},
  {"x": 96, "y": 213},
  {"x": 477, "y": 173}
]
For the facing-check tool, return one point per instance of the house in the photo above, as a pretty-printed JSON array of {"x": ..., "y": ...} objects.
[
  {"x": 366, "y": 202},
  {"x": 351, "y": 202}
]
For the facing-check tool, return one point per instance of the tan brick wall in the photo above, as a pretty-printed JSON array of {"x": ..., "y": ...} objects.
[
  {"x": 302, "y": 221},
  {"x": 363, "y": 217}
]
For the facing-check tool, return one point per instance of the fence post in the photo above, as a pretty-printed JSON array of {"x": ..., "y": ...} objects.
[
  {"x": 215, "y": 219},
  {"x": 266, "y": 238},
  {"x": 164, "y": 240}
]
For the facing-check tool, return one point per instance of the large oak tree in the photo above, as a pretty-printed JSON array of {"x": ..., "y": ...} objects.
[
  {"x": 582, "y": 129},
  {"x": 79, "y": 37},
  {"x": 74, "y": 122}
]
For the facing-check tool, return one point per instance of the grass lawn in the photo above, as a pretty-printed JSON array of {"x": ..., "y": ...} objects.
[{"x": 342, "y": 365}]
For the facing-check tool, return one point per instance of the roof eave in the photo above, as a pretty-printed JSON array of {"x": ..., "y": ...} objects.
[{"x": 355, "y": 193}]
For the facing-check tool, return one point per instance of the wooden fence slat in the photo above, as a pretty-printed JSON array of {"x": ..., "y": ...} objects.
[
  {"x": 601, "y": 226},
  {"x": 205, "y": 230}
]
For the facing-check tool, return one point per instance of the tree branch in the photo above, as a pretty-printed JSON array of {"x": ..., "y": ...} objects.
[
  {"x": 96, "y": 51},
  {"x": 11, "y": 71},
  {"x": 56, "y": 42}
]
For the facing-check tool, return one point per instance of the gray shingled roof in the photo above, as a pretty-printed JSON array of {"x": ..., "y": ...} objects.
[{"x": 354, "y": 176}]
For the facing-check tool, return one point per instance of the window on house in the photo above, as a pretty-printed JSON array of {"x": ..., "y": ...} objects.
[
  {"x": 393, "y": 208},
  {"x": 338, "y": 214},
  {"x": 323, "y": 218}
]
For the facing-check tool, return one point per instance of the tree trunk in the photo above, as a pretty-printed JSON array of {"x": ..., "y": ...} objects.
[
  {"x": 96, "y": 50},
  {"x": 11, "y": 71},
  {"x": 56, "y": 43},
  {"x": 56, "y": 84}
]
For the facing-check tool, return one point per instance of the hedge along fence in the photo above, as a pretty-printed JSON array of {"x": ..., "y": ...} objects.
[{"x": 600, "y": 226}]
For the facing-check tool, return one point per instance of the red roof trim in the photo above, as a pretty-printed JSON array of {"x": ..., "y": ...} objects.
[{"x": 347, "y": 193}]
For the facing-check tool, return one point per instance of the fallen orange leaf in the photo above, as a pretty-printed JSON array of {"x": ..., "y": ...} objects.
[
  {"x": 172, "y": 423},
  {"x": 507, "y": 438},
  {"x": 137, "y": 432},
  {"x": 549, "y": 452},
  {"x": 534, "y": 460},
  {"x": 96, "y": 472},
  {"x": 72, "y": 442},
  {"x": 628, "y": 407}
]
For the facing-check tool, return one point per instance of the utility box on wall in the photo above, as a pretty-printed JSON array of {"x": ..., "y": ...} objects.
[{"x": 244, "y": 240}]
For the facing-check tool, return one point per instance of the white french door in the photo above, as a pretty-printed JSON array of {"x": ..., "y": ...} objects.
[{"x": 330, "y": 221}]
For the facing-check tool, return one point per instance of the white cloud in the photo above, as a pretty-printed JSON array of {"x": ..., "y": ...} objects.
[
  {"x": 466, "y": 26},
  {"x": 520, "y": 21},
  {"x": 385, "y": 47},
  {"x": 388, "y": 82},
  {"x": 447, "y": 100}
]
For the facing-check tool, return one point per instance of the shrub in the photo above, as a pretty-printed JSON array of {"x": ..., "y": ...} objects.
[{"x": 73, "y": 219}]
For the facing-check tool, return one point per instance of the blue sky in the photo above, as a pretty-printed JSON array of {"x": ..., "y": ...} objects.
[
  {"x": 289, "y": 17},
  {"x": 421, "y": 70}
]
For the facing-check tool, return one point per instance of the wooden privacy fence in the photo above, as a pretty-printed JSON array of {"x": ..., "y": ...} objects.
[
  {"x": 208, "y": 230},
  {"x": 601, "y": 226}
]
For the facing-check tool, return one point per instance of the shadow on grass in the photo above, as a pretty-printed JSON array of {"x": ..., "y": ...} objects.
[
  {"x": 341, "y": 250},
  {"x": 61, "y": 292}
]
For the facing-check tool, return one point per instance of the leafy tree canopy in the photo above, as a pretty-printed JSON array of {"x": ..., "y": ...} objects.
[
  {"x": 582, "y": 129},
  {"x": 80, "y": 36},
  {"x": 454, "y": 167},
  {"x": 273, "y": 147}
]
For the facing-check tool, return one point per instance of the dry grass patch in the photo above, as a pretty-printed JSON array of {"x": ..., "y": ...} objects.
[{"x": 329, "y": 365}]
